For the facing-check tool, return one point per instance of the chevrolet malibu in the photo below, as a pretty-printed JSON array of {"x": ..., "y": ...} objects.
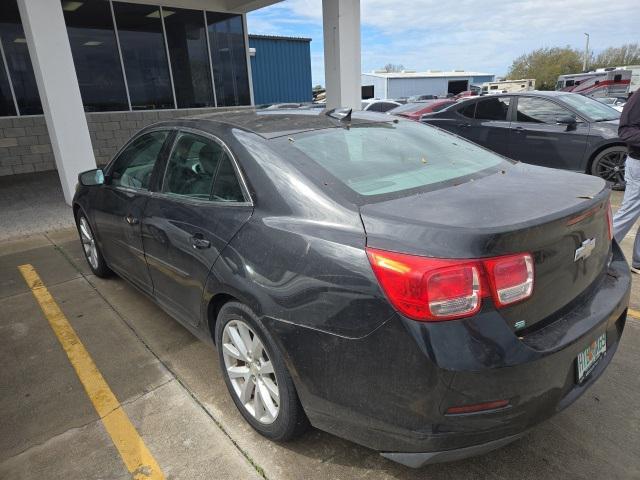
[{"x": 377, "y": 278}]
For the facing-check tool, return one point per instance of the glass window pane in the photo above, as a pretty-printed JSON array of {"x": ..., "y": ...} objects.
[
  {"x": 379, "y": 158},
  {"x": 18, "y": 60},
  {"x": 468, "y": 110},
  {"x": 95, "y": 55},
  {"x": 228, "y": 55},
  {"x": 186, "y": 38},
  {"x": 493, "y": 108},
  {"x": 7, "y": 108},
  {"x": 227, "y": 187},
  {"x": 134, "y": 166},
  {"x": 537, "y": 110},
  {"x": 144, "y": 55},
  {"x": 192, "y": 167}
]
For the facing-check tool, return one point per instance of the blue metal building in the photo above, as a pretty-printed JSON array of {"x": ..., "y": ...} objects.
[{"x": 280, "y": 69}]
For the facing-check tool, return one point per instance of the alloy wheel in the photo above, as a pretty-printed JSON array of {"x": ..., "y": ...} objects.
[
  {"x": 88, "y": 243},
  {"x": 250, "y": 371},
  {"x": 610, "y": 167}
]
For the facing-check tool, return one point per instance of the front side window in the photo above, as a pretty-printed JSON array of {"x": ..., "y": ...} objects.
[
  {"x": 493, "y": 108},
  {"x": 379, "y": 158},
  {"x": 538, "y": 110},
  {"x": 134, "y": 166},
  {"x": 95, "y": 56},
  {"x": 201, "y": 168}
]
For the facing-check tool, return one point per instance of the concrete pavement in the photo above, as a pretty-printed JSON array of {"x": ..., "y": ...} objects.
[{"x": 170, "y": 385}]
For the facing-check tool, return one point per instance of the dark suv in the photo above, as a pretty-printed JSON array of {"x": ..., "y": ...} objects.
[{"x": 551, "y": 129}]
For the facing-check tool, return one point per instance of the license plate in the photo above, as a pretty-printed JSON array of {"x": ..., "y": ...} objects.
[{"x": 588, "y": 358}]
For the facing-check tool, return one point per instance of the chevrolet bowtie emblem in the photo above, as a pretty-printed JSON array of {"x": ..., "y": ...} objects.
[{"x": 585, "y": 249}]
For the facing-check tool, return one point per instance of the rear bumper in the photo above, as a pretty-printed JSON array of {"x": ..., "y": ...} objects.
[
  {"x": 390, "y": 390},
  {"x": 417, "y": 460}
]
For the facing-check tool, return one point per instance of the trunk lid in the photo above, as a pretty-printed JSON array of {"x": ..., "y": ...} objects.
[{"x": 551, "y": 214}]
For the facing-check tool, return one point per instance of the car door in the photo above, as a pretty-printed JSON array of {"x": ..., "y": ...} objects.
[
  {"x": 200, "y": 204},
  {"x": 120, "y": 202},
  {"x": 490, "y": 124},
  {"x": 539, "y": 136}
]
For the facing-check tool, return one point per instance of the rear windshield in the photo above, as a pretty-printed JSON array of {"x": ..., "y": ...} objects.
[
  {"x": 410, "y": 107},
  {"x": 379, "y": 158}
]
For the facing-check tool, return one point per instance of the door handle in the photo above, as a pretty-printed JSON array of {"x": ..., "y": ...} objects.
[
  {"x": 464, "y": 125},
  {"x": 519, "y": 129},
  {"x": 199, "y": 242},
  {"x": 131, "y": 220}
]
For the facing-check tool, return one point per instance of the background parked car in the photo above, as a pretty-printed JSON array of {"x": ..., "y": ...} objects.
[
  {"x": 381, "y": 106},
  {"x": 551, "y": 129},
  {"x": 415, "y": 110},
  {"x": 419, "y": 98},
  {"x": 613, "y": 102}
]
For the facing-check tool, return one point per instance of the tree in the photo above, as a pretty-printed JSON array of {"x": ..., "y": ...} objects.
[
  {"x": 545, "y": 64},
  {"x": 628, "y": 54},
  {"x": 391, "y": 67}
]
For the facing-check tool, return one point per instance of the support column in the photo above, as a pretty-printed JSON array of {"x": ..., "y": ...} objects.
[
  {"x": 342, "y": 66},
  {"x": 50, "y": 53}
]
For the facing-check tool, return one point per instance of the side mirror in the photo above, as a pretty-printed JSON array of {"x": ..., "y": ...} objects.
[
  {"x": 91, "y": 178},
  {"x": 568, "y": 120}
]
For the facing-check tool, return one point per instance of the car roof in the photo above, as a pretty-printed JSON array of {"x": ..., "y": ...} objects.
[{"x": 277, "y": 123}]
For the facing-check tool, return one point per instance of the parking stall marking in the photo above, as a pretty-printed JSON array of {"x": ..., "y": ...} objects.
[
  {"x": 126, "y": 439},
  {"x": 635, "y": 314}
]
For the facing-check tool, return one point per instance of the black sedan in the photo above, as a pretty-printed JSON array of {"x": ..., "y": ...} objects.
[
  {"x": 380, "y": 279},
  {"x": 552, "y": 129}
]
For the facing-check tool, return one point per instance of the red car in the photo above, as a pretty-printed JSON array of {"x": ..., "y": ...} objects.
[{"x": 415, "y": 110}]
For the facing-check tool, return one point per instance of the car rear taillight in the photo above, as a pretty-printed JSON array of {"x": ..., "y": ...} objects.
[
  {"x": 435, "y": 289},
  {"x": 511, "y": 278},
  {"x": 610, "y": 220}
]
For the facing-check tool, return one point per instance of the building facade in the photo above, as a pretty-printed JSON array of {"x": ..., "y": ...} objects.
[
  {"x": 135, "y": 64},
  {"x": 280, "y": 69},
  {"x": 406, "y": 84}
]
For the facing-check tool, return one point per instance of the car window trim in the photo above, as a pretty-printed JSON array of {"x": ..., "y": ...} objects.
[
  {"x": 109, "y": 166},
  {"x": 580, "y": 118},
  {"x": 209, "y": 201}
]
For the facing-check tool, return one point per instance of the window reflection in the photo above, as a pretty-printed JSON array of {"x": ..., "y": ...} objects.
[
  {"x": 228, "y": 56},
  {"x": 7, "y": 107},
  {"x": 18, "y": 61},
  {"x": 144, "y": 55},
  {"x": 187, "y": 41},
  {"x": 95, "y": 55}
]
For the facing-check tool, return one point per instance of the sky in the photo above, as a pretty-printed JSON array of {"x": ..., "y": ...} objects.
[{"x": 466, "y": 34}]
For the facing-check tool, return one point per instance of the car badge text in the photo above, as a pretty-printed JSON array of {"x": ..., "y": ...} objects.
[{"x": 584, "y": 251}]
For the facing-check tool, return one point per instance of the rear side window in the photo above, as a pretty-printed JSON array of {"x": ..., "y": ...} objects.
[
  {"x": 493, "y": 108},
  {"x": 134, "y": 166},
  {"x": 201, "y": 168},
  {"x": 381, "y": 158},
  {"x": 468, "y": 110}
]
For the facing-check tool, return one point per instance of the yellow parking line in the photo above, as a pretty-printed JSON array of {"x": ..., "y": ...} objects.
[
  {"x": 126, "y": 439},
  {"x": 633, "y": 313}
]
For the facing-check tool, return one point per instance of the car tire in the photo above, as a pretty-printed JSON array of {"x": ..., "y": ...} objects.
[
  {"x": 90, "y": 247},
  {"x": 609, "y": 165},
  {"x": 235, "y": 324}
]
